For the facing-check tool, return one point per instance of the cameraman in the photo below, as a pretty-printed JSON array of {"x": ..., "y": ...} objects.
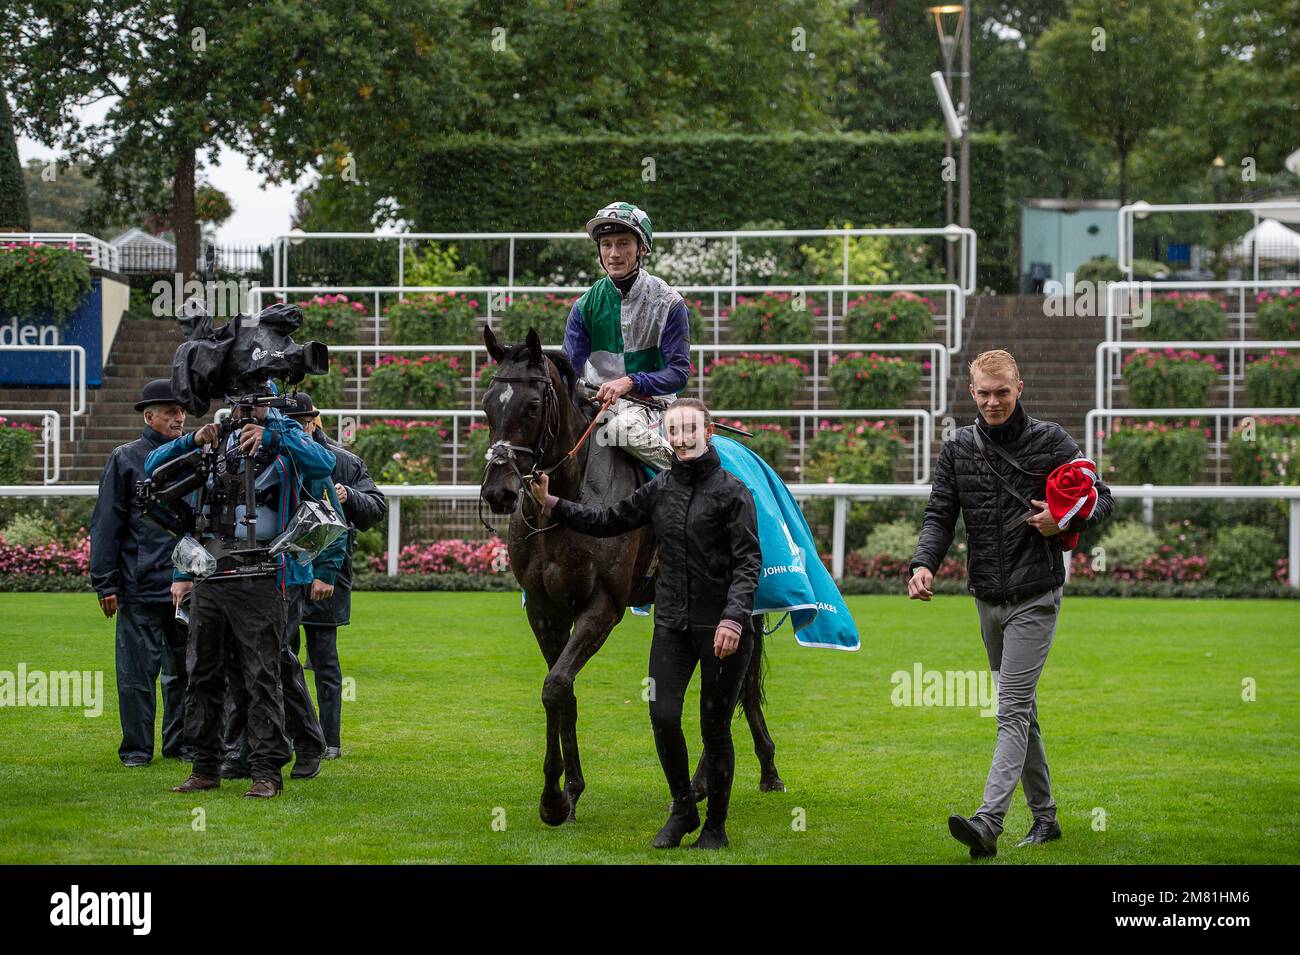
[
  {"x": 364, "y": 506},
  {"x": 250, "y": 613}
]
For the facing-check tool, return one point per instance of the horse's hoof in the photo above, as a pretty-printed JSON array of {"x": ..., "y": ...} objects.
[
  {"x": 773, "y": 785},
  {"x": 699, "y": 794},
  {"x": 555, "y": 808}
]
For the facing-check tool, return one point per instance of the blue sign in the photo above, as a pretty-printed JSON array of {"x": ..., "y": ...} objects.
[{"x": 84, "y": 327}]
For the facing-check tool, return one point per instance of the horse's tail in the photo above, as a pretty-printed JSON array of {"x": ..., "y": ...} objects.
[{"x": 754, "y": 692}]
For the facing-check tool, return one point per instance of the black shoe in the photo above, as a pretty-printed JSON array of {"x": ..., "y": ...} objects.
[
  {"x": 683, "y": 819},
  {"x": 236, "y": 771},
  {"x": 305, "y": 767},
  {"x": 975, "y": 834},
  {"x": 1043, "y": 830},
  {"x": 332, "y": 752},
  {"x": 135, "y": 762},
  {"x": 712, "y": 836}
]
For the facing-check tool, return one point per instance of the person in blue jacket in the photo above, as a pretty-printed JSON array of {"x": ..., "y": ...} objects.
[{"x": 250, "y": 614}]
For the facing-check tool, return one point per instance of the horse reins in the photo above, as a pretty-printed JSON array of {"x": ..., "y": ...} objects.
[{"x": 503, "y": 452}]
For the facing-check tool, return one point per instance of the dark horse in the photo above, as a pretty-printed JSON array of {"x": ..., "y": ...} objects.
[{"x": 576, "y": 587}]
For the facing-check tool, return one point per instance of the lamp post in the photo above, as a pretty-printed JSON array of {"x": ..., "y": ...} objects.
[{"x": 948, "y": 48}]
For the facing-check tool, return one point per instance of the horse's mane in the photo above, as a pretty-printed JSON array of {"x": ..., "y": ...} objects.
[{"x": 520, "y": 352}]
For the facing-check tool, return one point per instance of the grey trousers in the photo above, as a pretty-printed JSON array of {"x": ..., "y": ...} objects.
[{"x": 1018, "y": 637}]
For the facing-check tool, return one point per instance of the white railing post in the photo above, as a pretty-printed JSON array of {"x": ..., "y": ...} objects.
[
  {"x": 394, "y": 532},
  {"x": 1293, "y": 545},
  {"x": 837, "y": 537}
]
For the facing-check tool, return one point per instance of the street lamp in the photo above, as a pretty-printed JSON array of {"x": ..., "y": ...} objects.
[{"x": 948, "y": 47}]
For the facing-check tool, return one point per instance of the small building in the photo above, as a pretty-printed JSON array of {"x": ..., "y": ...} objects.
[
  {"x": 1059, "y": 235},
  {"x": 142, "y": 252}
]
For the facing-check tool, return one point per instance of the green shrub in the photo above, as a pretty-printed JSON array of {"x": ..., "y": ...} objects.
[
  {"x": 873, "y": 380},
  {"x": 900, "y": 317},
  {"x": 476, "y": 439},
  {"x": 1278, "y": 315},
  {"x": 16, "y": 441},
  {"x": 1128, "y": 543},
  {"x": 1184, "y": 316},
  {"x": 427, "y": 381},
  {"x": 895, "y": 540},
  {"x": 1156, "y": 452},
  {"x": 1103, "y": 268},
  {"x": 401, "y": 452},
  {"x": 433, "y": 264},
  {"x": 862, "y": 452},
  {"x": 1273, "y": 380},
  {"x": 771, "y": 319},
  {"x": 37, "y": 280},
  {"x": 31, "y": 530},
  {"x": 771, "y": 441},
  {"x": 1170, "y": 378},
  {"x": 1266, "y": 451},
  {"x": 1243, "y": 555},
  {"x": 327, "y": 390},
  {"x": 332, "y": 319},
  {"x": 441, "y": 319},
  {"x": 547, "y": 313},
  {"x": 752, "y": 380}
]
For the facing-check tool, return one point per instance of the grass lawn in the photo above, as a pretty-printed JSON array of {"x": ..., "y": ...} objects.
[{"x": 1141, "y": 708}]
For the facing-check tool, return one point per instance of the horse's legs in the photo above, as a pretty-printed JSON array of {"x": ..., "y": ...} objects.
[
  {"x": 590, "y": 630},
  {"x": 551, "y": 631},
  {"x": 751, "y": 699}
]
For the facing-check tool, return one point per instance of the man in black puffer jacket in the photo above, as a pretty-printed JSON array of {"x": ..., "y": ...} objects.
[{"x": 994, "y": 473}]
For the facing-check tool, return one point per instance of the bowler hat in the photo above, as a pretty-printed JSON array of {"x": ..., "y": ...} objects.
[
  {"x": 301, "y": 406},
  {"x": 157, "y": 392}
]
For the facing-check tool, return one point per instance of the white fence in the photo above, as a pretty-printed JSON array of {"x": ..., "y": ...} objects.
[
  {"x": 964, "y": 237},
  {"x": 841, "y": 493},
  {"x": 51, "y": 436},
  {"x": 101, "y": 254},
  {"x": 1124, "y": 299},
  {"x": 1141, "y": 210},
  {"x": 76, "y": 376},
  {"x": 1109, "y": 365}
]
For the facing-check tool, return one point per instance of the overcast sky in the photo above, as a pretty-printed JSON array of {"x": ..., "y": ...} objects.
[{"x": 260, "y": 213}]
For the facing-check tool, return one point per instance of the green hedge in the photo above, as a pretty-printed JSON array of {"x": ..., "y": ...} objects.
[
  {"x": 707, "y": 181},
  {"x": 15, "y": 453}
]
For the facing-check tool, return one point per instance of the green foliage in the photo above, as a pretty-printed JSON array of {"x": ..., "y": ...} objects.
[
  {"x": 1273, "y": 381},
  {"x": 770, "y": 441},
  {"x": 1243, "y": 555},
  {"x": 438, "y": 319},
  {"x": 1157, "y": 452},
  {"x": 1278, "y": 315},
  {"x": 15, "y": 452},
  {"x": 476, "y": 439},
  {"x": 14, "y": 211},
  {"x": 753, "y": 380},
  {"x": 327, "y": 390},
  {"x": 771, "y": 319},
  {"x": 1128, "y": 543},
  {"x": 1184, "y": 316},
  {"x": 861, "y": 452},
  {"x": 872, "y": 380},
  {"x": 401, "y": 452},
  {"x": 900, "y": 317},
  {"x": 426, "y": 381},
  {"x": 1104, "y": 268},
  {"x": 31, "y": 530},
  {"x": 1266, "y": 451},
  {"x": 711, "y": 179},
  {"x": 896, "y": 540},
  {"x": 331, "y": 319},
  {"x": 547, "y": 313},
  {"x": 433, "y": 263},
  {"x": 1169, "y": 378},
  {"x": 37, "y": 280}
]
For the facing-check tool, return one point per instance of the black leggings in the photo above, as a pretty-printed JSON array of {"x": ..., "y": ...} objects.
[{"x": 674, "y": 655}]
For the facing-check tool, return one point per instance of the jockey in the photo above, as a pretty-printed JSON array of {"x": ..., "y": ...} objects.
[{"x": 629, "y": 334}]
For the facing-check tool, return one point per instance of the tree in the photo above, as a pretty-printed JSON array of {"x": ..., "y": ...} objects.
[
  {"x": 1115, "y": 69},
  {"x": 14, "y": 213},
  {"x": 287, "y": 83}
]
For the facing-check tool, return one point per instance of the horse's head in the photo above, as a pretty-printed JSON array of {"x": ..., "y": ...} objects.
[{"x": 523, "y": 412}]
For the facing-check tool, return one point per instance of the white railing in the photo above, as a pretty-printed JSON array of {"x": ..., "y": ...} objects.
[
  {"x": 1141, "y": 294},
  {"x": 497, "y": 297},
  {"x": 50, "y": 436},
  {"x": 76, "y": 376},
  {"x": 1144, "y": 209},
  {"x": 1110, "y": 368},
  {"x": 1095, "y": 441},
  {"x": 101, "y": 254},
  {"x": 965, "y": 237},
  {"x": 817, "y": 379},
  {"x": 922, "y": 420},
  {"x": 842, "y": 494}
]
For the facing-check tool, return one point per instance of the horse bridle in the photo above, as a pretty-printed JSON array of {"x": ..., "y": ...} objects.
[{"x": 503, "y": 452}]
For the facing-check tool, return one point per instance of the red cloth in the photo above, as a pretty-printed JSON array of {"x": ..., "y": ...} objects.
[{"x": 1072, "y": 492}]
